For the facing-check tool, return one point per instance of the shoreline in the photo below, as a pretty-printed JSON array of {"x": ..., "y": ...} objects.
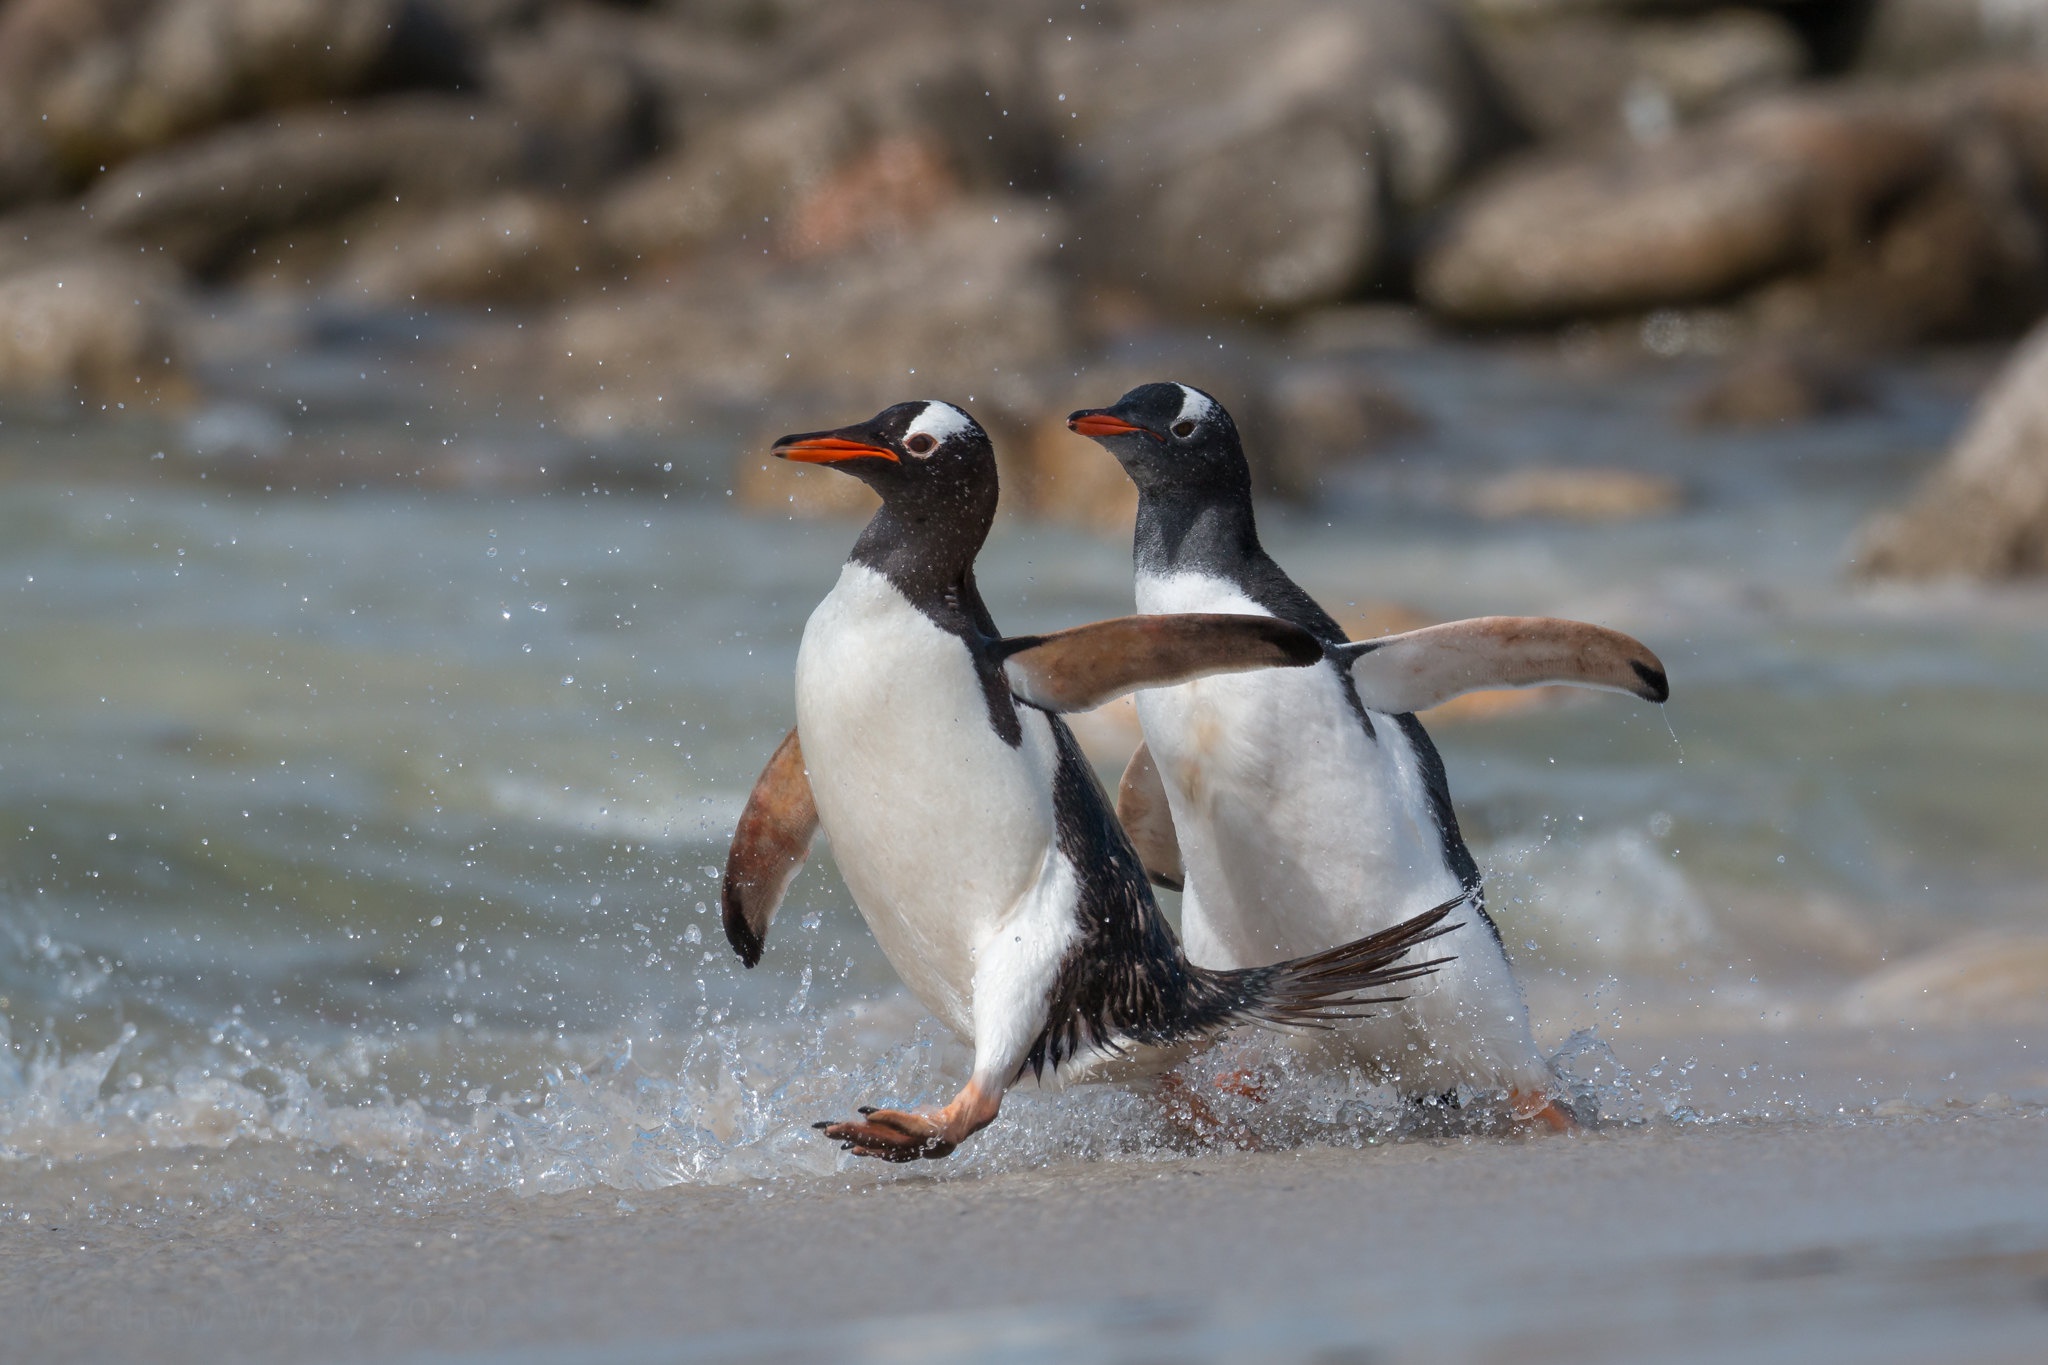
[{"x": 1916, "y": 1228}]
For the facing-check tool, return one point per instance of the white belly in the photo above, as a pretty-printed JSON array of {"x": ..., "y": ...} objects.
[
  {"x": 1298, "y": 832},
  {"x": 940, "y": 829}
]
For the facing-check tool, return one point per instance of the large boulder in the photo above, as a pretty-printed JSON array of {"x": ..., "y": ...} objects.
[
  {"x": 1876, "y": 218},
  {"x": 1264, "y": 157},
  {"x": 962, "y": 99},
  {"x": 1585, "y": 73},
  {"x": 1912, "y": 37},
  {"x": 91, "y": 326},
  {"x": 963, "y": 308},
  {"x": 1984, "y": 512},
  {"x": 610, "y": 87},
  {"x": 107, "y": 79},
  {"x": 202, "y": 201},
  {"x": 514, "y": 247}
]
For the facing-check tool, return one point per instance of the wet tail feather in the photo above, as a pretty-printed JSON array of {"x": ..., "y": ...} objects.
[
  {"x": 1169, "y": 1000},
  {"x": 1126, "y": 982},
  {"x": 1324, "y": 988}
]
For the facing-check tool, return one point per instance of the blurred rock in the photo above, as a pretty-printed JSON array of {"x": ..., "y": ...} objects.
[
  {"x": 1070, "y": 479},
  {"x": 1984, "y": 512},
  {"x": 121, "y": 77},
  {"x": 1263, "y": 157},
  {"x": 98, "y": 326},
  {"x": 608, "y": 87},
  {"x": 27, "y": 170},
  {"x": 964, "y": 309},
  {"x": 1705, "y": 213},
  {"x": 884, "y": 194},
  {"x": 511, "y": 248},
  {"x": 1772, "y": 388},
  {"x": 747, "y": 177},
  {"x": 1985, "y": 976},
  {"x": 1330, "y": 412},
  {"x": 201, "y": 201},
  {"x": 571, "y": 78},
  {"x": 1576, "y": 495},
  {"x": 1584, "y": 73},
  {"x": 1914, "y": 37},
  {"x": 1963, "y": 254}
]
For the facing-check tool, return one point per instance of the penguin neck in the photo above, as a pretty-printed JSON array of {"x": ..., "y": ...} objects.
[
  {"x": 928, "y": 553},
  {"x": 1197, "y": 530},
  {"x": 1211, "y": 531}
]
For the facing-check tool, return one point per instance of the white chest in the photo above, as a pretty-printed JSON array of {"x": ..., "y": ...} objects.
[
  {"x": 939, "y": 827},
  {"x": 1298, "y": 829}
]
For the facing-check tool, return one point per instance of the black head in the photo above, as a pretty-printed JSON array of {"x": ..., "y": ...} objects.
[
  {"x": 935, "y": 470},
  {"x": 1170, "y": 437},
  {"x": 923, "y": 456}
]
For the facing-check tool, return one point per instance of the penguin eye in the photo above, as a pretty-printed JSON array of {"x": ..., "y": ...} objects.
[
  {"x": 1183, "y": 429},
  {"x": 924, "y": 443}
]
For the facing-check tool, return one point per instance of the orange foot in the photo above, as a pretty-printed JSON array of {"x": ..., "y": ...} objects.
[
  {"x": 891, "y": 1134},
  {"x": 1190, "y": 1112},
  {"x": 898, "y": 1135},
  {"x": 1243, "y": 1082},
  {"x": 1533, "y": 1107}
]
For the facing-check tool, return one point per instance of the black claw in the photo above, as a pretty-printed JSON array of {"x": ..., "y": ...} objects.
[
  {"x": 822, "y": 1123},
  {"x": 867, "y": 1109}
]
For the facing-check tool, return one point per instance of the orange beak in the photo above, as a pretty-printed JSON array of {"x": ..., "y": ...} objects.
[
  {"x": 1101, "y": 424},
  {"x": 830, "y": 450}
]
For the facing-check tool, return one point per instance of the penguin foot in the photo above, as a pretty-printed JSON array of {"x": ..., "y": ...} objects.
[
  {"x": 1244, "y": 1083},
  {"x": 892, "y": 1135},
  {"x": 1533, "y": 1109},
  {"x": 899, "y": 1135},
  {"x": 1190, "y": 1111}
]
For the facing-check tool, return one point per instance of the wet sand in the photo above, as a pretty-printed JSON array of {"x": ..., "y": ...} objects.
[{"x": 1909, "y": 1223}]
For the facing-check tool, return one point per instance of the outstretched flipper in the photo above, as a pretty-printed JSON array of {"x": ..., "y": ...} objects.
[
  {"x": 1082, "y": 668},
  {"x": 1418, "y": 669},
  {"x": 768, "y": 849},
  {"x": 1142, "y": 810}
]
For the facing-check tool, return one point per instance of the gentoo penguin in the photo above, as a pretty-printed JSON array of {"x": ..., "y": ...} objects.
[
  {"x": 973, "y": 835},
  {"x": 1300, "y": 808}
]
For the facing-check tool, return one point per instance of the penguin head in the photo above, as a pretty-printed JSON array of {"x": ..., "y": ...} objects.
[
  {"x": 1168, "y": 436},
  {"x": 921, "y": 455}
]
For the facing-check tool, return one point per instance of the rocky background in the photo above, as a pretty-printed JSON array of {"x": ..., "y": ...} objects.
[{"x": 699, "y": 216}]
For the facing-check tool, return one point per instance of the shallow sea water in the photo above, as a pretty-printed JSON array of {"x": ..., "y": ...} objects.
[{"x": 361, "y": 847}]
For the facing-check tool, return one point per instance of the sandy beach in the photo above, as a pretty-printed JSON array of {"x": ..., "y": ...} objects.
[{"x": 1911, "y": 1224}]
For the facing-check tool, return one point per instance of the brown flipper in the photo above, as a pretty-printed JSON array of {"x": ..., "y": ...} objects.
[
  {"x": 1423, "y": 668},
  {"x": 1141, "y": 807},
  {"x": 1080, "y": 669},
  {"x": 768, "y": 849}
]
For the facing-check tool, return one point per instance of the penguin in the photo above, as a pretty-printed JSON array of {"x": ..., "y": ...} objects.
[
  {"x": 972, "y": 834},
  {"x": 1299, "y": 808}
]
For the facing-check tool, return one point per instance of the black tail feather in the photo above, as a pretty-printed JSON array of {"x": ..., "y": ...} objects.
[
  {"x": 1327, "y": 987},
  {"x": 1125, "y": 982}
]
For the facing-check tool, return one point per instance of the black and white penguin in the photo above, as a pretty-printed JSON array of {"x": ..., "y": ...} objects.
[
  {"x": 1300, "y": 808},
  {"x": 971, "y": 832}
]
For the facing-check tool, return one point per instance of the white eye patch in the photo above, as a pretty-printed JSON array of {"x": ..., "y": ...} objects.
[
  {"x": 1194, "y": 405},
  {"x": 940, "y": 421}
]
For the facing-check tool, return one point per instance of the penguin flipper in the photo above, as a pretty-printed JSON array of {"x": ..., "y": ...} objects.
[
  {"x": 1418, "y": 669},
  {"x": 768, "y": 849},
  {"x": 1141, "y": 808},
  {"x": 1082, "y": 668}
]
